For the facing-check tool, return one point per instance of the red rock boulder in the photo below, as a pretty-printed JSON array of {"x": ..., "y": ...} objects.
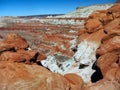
[
  {"x": 13, "y": 41},
  {"x": 76, "y": 81},
  {"x": 19, "y": 76},
  {"x": 28, "y": 57},
  {"x": 113, "y": 27},
  {"x": 106, "y": 61},
  {"x": 93, "y": 25},
  {"x": 114, "y": 11},
  {"x": 111, "y": 45},
  {"x": 104, "y": 85}
]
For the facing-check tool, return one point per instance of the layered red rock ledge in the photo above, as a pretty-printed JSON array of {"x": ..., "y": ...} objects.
[
  {"x": 20, "y": 69},
  {"x": 106, "y": 25}
]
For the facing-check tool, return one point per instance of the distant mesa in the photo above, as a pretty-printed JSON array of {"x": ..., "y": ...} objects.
[{"x": 41, "y": 16}]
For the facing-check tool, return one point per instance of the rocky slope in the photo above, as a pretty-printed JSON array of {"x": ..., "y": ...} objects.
[
  {"x": 108, "y": 52},
  {"x": 80, "y": 57},
  {"x": 97, "y": 55},
  {"x": 83, "y": 12},
  {"x": 20, "y": 69}
]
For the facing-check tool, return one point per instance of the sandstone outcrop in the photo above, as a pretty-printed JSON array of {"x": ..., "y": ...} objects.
[
  {"x": 110, "y": 81},
  {"x": 108, "y": 51},
  {"x": 93, "y": 25},
  {"x": 19, "y": 56},
  {"x": 110, "y": 45},
  {"x": 98, "y": 40},
  {"x": 14, "y": 49},
  {"x": 107, "y": 61},
  {"x": 76, "y": 81},
  {"x": 13, "y": 41},
  {"x": 15, "y": 73},
  {"x": 104, "y": 85},
  {"x": 18, "y": 76}
]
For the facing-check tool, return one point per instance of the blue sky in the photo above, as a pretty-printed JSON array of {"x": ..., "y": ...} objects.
[{"x": 37, "y": 7}]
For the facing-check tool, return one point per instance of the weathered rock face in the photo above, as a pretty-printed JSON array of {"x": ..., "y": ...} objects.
[
  {"x": 100, "y": 38},
  {"x": 15, "y": 41},
  {"x": 14, "y": 49},
  {"x": 108, "y": 52},
  {"x": 113, "y": 74},
  {"x": 15, "y": 73},
  {"x": 19, "y": 56},
  {"x": 107, "y": 61},
  {"x": 104, "y": 85},
  {"x": 110, "y": 81},
  {"x": 112, "y": 44},
  {"x": 76, "y": 81},
  {"x": 93, "y": 25},
  {"x": 100, "y": 35},
  {"x": 15, "y": 76},
  {"x": 114, "y": 11}
]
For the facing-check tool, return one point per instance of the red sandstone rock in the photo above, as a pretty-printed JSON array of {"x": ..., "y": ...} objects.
[
  {"x": 81, "y": 32},
  {"x": 111, "y": 81},
  {"x": 114, "y": 11},
  {"x": 98, "y": 14},
  {"x": 109, "y": 50},
  {"x": 110, "y": 45},
  {"x": 93, "y": 37},
  {"x": 40, "y": 57},
  {"x": 113, "y": 27},
  {"x": 13, "y": 47},
  {"x": 28, "y": 57},
  {"x": 17, "y": 56},
  {"x": 102, "y": 16},
  {"x": 118, "y": 75},
  {"x": 104, "y": 85},
  {"x": 111, "y": 74},
  {"x": 105, "y": 62},
  {"x": 96, "y": 36},
  {"x": 101, "y": 27},
  {"x": 4, "y": 46},
  {"x": 14, "y": 76},
  {"x": 13, "y": 41},
  {"x": 76, "y": 81},
  {"x": 93, "y": 25}
]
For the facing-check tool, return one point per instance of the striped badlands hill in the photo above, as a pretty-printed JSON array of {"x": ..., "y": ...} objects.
[{"x": 83, "y": 12}]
